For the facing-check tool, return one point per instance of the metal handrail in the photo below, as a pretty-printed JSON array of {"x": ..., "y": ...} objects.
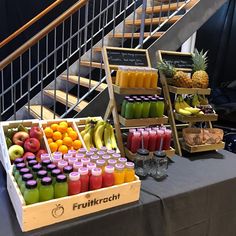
[
  {"x": 31, "y": 42},
  {"x": 29, "y": 23}
]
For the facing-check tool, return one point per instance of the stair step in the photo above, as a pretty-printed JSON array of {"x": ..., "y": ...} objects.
[
  {"x": 162, "y": 8},
  {"x": 154, "y": 21},
  {"x": 85, "y": 82},
  {"x": 135, "y": 35},
  {"x": 93, "y": 64},
  {"x": 47, "y": 114},
  {"x": 61, "y": 97}
]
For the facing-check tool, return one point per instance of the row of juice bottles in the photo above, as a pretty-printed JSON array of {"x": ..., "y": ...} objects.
[
  {"x": 69, "y": 174},
  {"x": 152, "y": 139},
  {"x": 136, "y": 77},
  {"x": 136, "y": 107}
]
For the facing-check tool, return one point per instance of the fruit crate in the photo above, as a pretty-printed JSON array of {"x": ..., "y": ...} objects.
[
  {"x": 196, "y": 118},
  {"x": 4, "y": 155},
  {"x": 178, "y": 90}
]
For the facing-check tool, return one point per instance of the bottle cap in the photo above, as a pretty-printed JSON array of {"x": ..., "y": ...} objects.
[
  {"x": 41, "y": 174},
  {"x": 89, "y": 154},
  {"x": 93, "y": 150},
  {"x": 67, "y": 169},
  {"x": 129, "y": 165},
  {"x": 131, "y": 100},
  {"x": 91, "y": 165},
  {"x": 132, "y": 130},
  {"x": 56, "y": 158},
  {"x": 83, "y": 170},
  {"x": 37, "y": 167},
  {"x": 29, "y": 158},
  {"x": 31, "y": 184},
  {"x": 136, "y": 133},
  {"x": 94, "y": 158},
  {"x": 46, "y": 181},
  {"x": 161, "y": 99},
  {"x": 82, "y": 150},
  {"x": 119, "y": 166},
  {"x": 66, "y": 156},
  {"x": 146, "y": 99},
  {"x": 55, "y": 172},
  {"x": 138, "y": 100},
  {"x": 24, "y": 171},
  {"x": 109, "y": 169},
  {"x": 144, "y": 133},
  {"x": 32, "y": 163},
  {"x": 19, "y": 160},
  {"x": 74, "y": 176},
  {"x": 85, "y": 161},
  {"x": 44, "y": 156},
  {"x": 127, "y": 97},
  {"x": 62, "y": 164},
  {"x": 159, "y": 154},
  {"x": 103, "y": 148},
  {"x": 143, "y": 152},
  {"x": 122, "y": 160},
  {"x": 112, "y": 162},
  {"x": 72, "y": 160},
  {"x": 110, "y": 152},
  {"x": 116, "y": 155},
  {"x": 27, "y": 177},
  {"x": 57, "y": 154},
  {"x": 79, "y": 155},
  {"x": 140, "y": 130},
  {"x": 100, "y": 162},
  {"x": 153, "y": 99},
  {"x": 72, "y": 152},
  {"x": 96, "y": 171},
  {"x": 20, "y": 165},
  {"x": 46, "y": 162},
  {"x": 152, "y": 132},
  {"x": 101, "y": 153},
  {"x": 106, "y": 157},
  {"x": 61, "y": 178},
  {"x": 51, "y": 167},
  {"x": 77, "y": 165}
]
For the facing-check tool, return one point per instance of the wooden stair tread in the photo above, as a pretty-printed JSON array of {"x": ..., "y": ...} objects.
[
  {"x": 61, "y": 97},
  {"x": 154, "y": 21},
  {"x": 135, "y": 35},
  {"x": 84, "y": 82},
  {"x": 35, "y": 111},
  {"x": 162, "y": 8},
  {"x": 93, "y": 64}
]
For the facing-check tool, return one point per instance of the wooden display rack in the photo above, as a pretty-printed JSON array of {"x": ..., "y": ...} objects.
[
  {"x": 181, "y": 61},
  {"x": 126, "y": 57}
]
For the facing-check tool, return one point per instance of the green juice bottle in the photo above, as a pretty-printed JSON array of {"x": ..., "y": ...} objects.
[
  {"x": 46, "y": 190},
  {"x": 17, "y": 161},
  {"x": 40, "y": 175},
  {"x": 25, "y": 178},
  {"x": 18, "y": 167},
  {"x": 31, "y": 193},
  {"x": 61, "y": 187},
  {"x": 22, "y": 172},
  {"x": 54, "y": 175}
]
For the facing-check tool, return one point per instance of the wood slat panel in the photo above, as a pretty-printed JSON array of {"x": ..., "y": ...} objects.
[
  {"x": 135, "y": 35},
  {"x": 35, "y": 111}
]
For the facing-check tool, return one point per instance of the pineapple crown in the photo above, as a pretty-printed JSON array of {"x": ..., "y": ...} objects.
[
  {"x": 166, "y": 68},
  {"x": 199, "y": 60}
]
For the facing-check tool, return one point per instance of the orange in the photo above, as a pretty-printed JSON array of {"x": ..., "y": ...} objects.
[
  {"x": 69, "y": 129},
  {"x": 59, "y": 142},
  {"x": 77, "y": 144},
  {"x": 50, "y": 140},
  {"x": 63, "y": 149},
  {"x": 48, "y": 132},
  {"x": 54, "y": 127},
  {"x": 67, "y": 141},
  {"x": 57, "y": 135},
  {"x": 65, "y": 135},
  {"x": 73, "y": 135},
  {"x": 62, "y": 128},
  {"x": 64, "y": 123},
  {"x": 53, "y": 147}
]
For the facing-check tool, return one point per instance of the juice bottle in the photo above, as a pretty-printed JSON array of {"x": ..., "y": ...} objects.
[
  {"x": 129, "y": 109},
  {"x": 139, "y": 78},
  {"x": 135, "y": 142},
  {"x": 108, "y": 177},
  {"x": 17, "y": 161},
  {"x": 138, "y": 107},
  {"x": 94, "y": 158},
  {"x": 154, "y": 78},
  {"x": 79, "y": 156},
  {"x": 152, "y": 141},
  {"x": 160, "y": 107},
  {"x": 56, "y": 159},
  {"x": 25, "y": 178},
  {"x": 72, "y": 152},
  {"x": 101, "y": 164},
  {"x": 124, "y": 78},
  {"x": 122, "y": 160},
  {"x": 46, "y": 190},
  {"x": 118, "y": 74},
  {"x": 85, "y": 161},
  {"x": 110, "y": 152},
  {"x": 90, "y": 167},
  {"x": 89, "y": 154},
  {"x": 167, "y": 139},
  {"x": 22, "y": 172},
  {"x": 61, "y": 164},
  {"x": 160, "y": 135},
  {"x": 44, "y": 156},
  {"x": 82, "y": 150},
  {"x": 50, "y": 168},
  {"x": 41, "y": 174},
  {"x": 129, "y": 172},
  {"x": 119, "y": 174},
  {"x": 54, "y": 175},
  {"x": 74, "y": 183},
  {"x": 35, "y": 169},
  {"x": 145, "y": 137},
  {"x": 130, "y": 135},
  {"x": 106, "y": 158},
  {"x": 147, "y": 79},
  {"x": 31, "y": 164},
  {"x": 61, "y": 187},
  {"x": 146, "y": 108},
  {"x": 115, "y": 156},
  {"x": 18, "y": 167},
  {"x": 101, "y": 153},
  {"x": 57, "y": 154},
  {"x": 31, "y": 193},
  {"x": 45, "y": 163},
  {"x": 67, "y": 170},
  {"x": 84, "y": 179},
  {"x": 153, "y": 108},
  {"x": 77, "y": 165},
  {"x": 66, "y": 156},
  {"x": 95, "y": 179},
  {"x": 132, "y": 78},
  {"x": 72, "y": 160},
  {"x": 124, "y": 105},
  {"x": 111, "y": 162}
]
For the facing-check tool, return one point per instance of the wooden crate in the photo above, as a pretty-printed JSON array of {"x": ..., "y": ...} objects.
[
  {"x": 4, "y": 156},
  {"x": 57, "y": 210},
  {"x": 178, "y": 90},
  {"x": 142, "y": 121},
  {"x": 194, "y": 118}
]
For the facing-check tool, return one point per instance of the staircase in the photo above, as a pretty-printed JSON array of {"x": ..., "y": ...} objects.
[{"x": 81, "y": 88}]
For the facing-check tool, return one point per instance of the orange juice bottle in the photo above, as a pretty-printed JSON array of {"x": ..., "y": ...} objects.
[
  {"x": 132, "y": 79},
  {"x": 154, "y": 78},
  {"x": 124, "y": 77},
  {"x": 140, "y": 78},
  {"x": 147, "y": 78},
  {"x": 118, "y": 77}
]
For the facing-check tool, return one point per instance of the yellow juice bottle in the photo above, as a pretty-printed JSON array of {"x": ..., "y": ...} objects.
[
  {"x": 147, "y": 79},
  {"x": 118, "y": 73},
  {"x": 140, "y": 78},
  {"x": 154, "y": 78},
  {"x": 124, "y": 78},
  {"x": 132, "y": 79}
]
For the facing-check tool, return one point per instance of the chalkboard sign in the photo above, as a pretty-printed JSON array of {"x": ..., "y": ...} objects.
[
  {"x": 181, "y": 61},
  {"x": 127, "y": 57}
]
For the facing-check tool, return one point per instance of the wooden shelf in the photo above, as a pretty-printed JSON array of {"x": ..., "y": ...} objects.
[
  {"x": 194, "y": 118},
  {"x": 143, "y": 121},
  {"x": 136, "y": 91},
  {"x": 202, "y": 148},
  {"x": 178, "y": 90},
  {"x": 131, "y": 156}
]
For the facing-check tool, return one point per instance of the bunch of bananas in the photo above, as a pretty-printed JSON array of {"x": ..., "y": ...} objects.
[
  {"x": 183, "y": 108},
  {"x": 98, "y": 133},
  {"x": 196, "y": 100}
]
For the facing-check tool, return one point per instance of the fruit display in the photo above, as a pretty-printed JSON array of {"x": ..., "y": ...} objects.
[
  {"x": 182, "y": 79},
  {"x": 24, "y": 142},
  {"x": 62, "y": 137},
  {"x": 98, "y": 133}
]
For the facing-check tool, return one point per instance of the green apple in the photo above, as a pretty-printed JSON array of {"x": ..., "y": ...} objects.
[{"x": 15, "y": 151}]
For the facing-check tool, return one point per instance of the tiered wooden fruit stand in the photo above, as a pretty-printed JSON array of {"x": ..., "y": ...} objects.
[
  {"x": 208, "y": 118},
  {"x": 114, "y": 89}
]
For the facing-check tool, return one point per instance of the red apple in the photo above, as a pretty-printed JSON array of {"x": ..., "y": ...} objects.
[
  {"x": 27, "y": 154},
  {"x": 20, "y": 137},
  {"x": 32, "y": 145},
  {"x": 38, "y": 154},
  {"x": 36, "y": 132}
]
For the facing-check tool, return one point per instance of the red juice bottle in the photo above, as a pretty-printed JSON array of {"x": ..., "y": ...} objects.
[
  {"x": 96, "y": 179},
  {"x": 135, "y": 142},
  {"x": 160, "y": 135},
  {"x": 167, "y": 139},
  {"x": 72, "y": 160},
  {"x": 90, "y": 166},
  {"x": 152, "y": 141},
  {"x": 85, "y": 161},
  {"x": 145, "y": 137},
  {"x": 130, "y": 135},
  {"x": 108, "y": 176},
  {"x": 74, "y": 184},
  {"x": 77, "y": 165},
  {"x": 61, "y": 164},
  {"x": 84, "y": 179}
]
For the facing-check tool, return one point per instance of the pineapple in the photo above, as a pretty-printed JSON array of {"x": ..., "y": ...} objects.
[
  {"x": 168, "y": 70},
  {"x": 181, "y": 79},
  {"x": 200, "y": 77}
]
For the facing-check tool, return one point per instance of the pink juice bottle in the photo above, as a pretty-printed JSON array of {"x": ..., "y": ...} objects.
[
  {"x": 135, "y": 142},
  {"x": 152, "y": 141},
  {"x": 74, "y": 184},
  {"x": 77, "y": 165},
  {"x": 145, "y": 137},
  {"x": 95, "y": 179},
  {"x": 72, "y": 152},
  {"x": 90, "y": 166},
  {"x": 84, "y": 179},
  {"x": 129, "y": 139},
  {"x": 160, "y": 135},
  {"x": 79, "y": 156},
  {"x": 61, "y": 164},
  {"x": 72, "y": 160},
  {"x": 167, "y": 139},
  {"x": 66, "y": 156},
  {"x": 85, "y": 161}
]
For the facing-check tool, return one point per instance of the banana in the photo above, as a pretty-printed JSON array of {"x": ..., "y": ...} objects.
[
  {"x": 87, "y": 140},
  {"x": 184, "y": 112},
  {"x": 98, "y": 136},
  {"x": 195, "y": 101},
  {"x": 177, "y": 104},
  {"x": 193, "y": 110},
  {"x": 113, "y": 138},
  {"x": 99, "y": 122},
  {"x": 107, "y": 137}
]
